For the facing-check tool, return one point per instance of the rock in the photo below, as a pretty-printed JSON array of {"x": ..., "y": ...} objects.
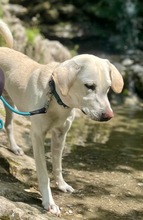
[
  {"x": 22, "y": 168},
  {"x": 19, "y": 211},
  {"x": 132, "y": 101},
  {"x": 18, "y": 200},
  {"x": 40, "y": 49},
  {"x": 137, "y": 68},
  {"x": 68, "y": 10},
  {"x": 4, "y": 2},
  {"x": 45, "y": 51},
  {"x": 16, "y": 9},
  {"x": 41, "y": 7},
  {"x": 127, "y": 62},
  {"x": 64, "y": 30},
  {"x": 19, "y": 34}
]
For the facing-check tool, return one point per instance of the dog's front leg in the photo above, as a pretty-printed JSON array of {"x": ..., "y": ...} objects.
[
  {"x": 57, "y": 146},
  {"x": 43, "y": 179}
]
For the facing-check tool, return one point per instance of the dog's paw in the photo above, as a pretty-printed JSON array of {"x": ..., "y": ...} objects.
[
  {"x": 17, "y": 150},
  {"x": 53, "y": 208},
  {"x": 65, "y": 187}
]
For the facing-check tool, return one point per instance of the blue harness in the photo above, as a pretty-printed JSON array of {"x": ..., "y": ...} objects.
[{"x": 35, "y": 112}]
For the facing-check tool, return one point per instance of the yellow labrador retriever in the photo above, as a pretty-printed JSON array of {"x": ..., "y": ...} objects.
[{"x": 81, "y": 82}]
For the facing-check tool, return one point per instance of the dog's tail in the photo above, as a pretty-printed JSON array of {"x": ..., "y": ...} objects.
[{"x": 6, "y": 33}]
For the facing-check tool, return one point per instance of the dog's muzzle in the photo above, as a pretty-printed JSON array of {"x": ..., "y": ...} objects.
[{"x": 104, "y": 116}]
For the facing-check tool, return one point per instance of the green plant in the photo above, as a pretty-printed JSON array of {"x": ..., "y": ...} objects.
[
  {"x": 74, "y": 50},
  {"x": 31, "y": 33},
  {"x": 1, "y": 13}
]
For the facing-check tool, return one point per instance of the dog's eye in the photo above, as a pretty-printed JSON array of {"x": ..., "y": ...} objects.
[{"x": 91, "y": 87}]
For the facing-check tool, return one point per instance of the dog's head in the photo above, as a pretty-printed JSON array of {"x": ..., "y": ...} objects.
[{"x": 84, "y": 81}]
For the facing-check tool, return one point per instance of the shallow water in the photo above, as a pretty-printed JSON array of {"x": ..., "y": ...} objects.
[{"x": 112, "y": 140}]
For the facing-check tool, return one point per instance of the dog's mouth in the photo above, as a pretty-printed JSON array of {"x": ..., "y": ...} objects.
[
  {"x": 83, "y": 112},
  {"x": 90, "y": 115}
]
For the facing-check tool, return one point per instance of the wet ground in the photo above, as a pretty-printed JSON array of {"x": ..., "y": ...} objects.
[{"x": 102, "y": 161}]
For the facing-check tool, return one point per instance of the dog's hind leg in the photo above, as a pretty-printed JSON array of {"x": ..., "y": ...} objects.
[
  {"x": 57, "y": 146},
  {"x": 9, "y": 127}
]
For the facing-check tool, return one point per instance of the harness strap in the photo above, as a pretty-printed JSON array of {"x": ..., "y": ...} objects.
[{"x": 35, "y": 112}]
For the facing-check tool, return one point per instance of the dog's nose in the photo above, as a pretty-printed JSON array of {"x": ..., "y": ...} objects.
[{"x": 107, "y": 115}]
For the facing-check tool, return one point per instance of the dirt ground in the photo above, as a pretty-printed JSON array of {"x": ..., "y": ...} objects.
[{"x": 103, "y": 162}]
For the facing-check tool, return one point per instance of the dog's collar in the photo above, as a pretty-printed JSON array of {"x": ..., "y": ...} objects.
[
  {"x": 35, "y": 112},
  {"x": 54, "y": 92}
]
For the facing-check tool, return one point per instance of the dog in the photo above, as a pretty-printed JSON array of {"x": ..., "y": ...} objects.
[{"x": 81, "y": 82}]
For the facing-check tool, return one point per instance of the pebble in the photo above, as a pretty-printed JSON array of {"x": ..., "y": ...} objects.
[
  {"x": 140, "y": 184},
  {"x": 69, "y": 212}
]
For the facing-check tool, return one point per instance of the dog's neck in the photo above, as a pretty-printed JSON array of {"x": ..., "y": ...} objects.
[{"x": 55, "y": 94}]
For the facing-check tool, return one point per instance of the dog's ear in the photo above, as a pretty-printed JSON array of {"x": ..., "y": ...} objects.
[
  {"x": 65, "y": 74},
  {"x": 116, "y": 79}
]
